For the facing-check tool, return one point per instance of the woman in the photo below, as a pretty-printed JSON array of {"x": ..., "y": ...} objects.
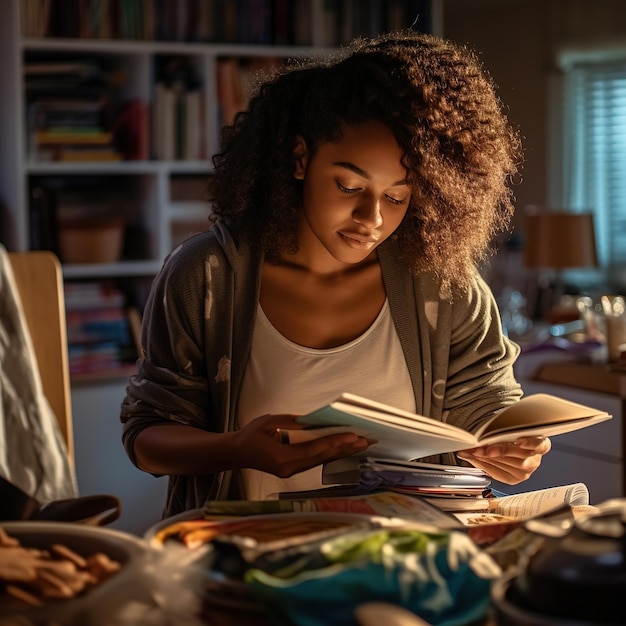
[{"x": 352, "y": 201}]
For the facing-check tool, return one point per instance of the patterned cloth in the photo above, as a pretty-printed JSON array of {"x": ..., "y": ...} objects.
[{"x": 444, "y": 578}]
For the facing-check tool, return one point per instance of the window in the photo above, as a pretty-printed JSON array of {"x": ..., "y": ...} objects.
[{"x": 590, "y": 150}]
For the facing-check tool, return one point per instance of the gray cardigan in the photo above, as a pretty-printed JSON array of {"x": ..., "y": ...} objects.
[{"x": 197, "y": 333}]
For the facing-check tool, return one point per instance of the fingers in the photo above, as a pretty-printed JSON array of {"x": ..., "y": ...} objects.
[
  {"x": 294, "y": 458},
  {"x": 504, "y": 474},
  {"x": 521, "y": 449},
  {"x": 260, "y": 445},
  {"x": 541, "y": 445},
  {"x": 509, "y": 462}
]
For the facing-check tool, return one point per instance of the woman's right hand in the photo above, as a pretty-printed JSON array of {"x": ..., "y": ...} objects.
[{"x": 258, "y": 446}]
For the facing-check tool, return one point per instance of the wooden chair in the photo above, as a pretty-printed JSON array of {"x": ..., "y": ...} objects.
[{"x": 40, "y": 283}]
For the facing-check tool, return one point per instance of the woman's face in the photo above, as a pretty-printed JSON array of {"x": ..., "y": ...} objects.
[{"x": 354, "y": 194}]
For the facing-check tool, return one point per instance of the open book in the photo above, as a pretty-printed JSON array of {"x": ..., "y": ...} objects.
[
  {"x": 525, "y": 505},
  {"x": 398, "y": 434}
]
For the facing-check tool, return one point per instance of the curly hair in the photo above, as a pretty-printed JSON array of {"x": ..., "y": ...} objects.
[{"x": 460, "y": 152}]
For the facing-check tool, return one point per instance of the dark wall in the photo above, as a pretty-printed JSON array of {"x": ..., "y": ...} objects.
[{"x": 510, "y": 38}]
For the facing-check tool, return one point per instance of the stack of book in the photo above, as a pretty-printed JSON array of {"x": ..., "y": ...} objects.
[
  {"x": 450, "y": 487},
  {"x": 399, "y": 438},
  {"x": 68, "y": 110},
  {"x": 99, "y": 332}
]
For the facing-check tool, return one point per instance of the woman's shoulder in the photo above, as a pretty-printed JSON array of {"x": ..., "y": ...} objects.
[
  {"x": 195, "y": 246},
  {"x": 473, "y": 288},
  {"x": 189, "y": 257},
  {"x": 214, "y": 245}
]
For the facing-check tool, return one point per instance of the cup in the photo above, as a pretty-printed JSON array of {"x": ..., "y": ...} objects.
[
  {"x": 614, "y": 308},
  {"x": 592, "y": 314}
]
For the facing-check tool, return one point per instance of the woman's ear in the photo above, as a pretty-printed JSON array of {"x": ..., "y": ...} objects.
[{"x": 300, "y": 155}]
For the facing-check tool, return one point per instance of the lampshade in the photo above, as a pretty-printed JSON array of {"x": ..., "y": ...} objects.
[{"x": 559, "y": 240}]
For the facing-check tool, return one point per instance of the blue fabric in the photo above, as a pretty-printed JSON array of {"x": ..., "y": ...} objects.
[{"x": 430, "y": 575}]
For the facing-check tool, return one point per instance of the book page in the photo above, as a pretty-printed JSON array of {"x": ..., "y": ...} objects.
[
  {"x": 534, "y": 503},
  {"x": 403, "y": 435},
  {"x": 418, "y": 424},
  {"x": 540, "y": 410},
  {"x": 391, "y": 415},
  {"x": 530, "y": 504},
  {"x": 389, "y": 440}
]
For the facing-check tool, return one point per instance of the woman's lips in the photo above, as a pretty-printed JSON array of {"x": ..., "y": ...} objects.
[{"x": 359, "y": 242}]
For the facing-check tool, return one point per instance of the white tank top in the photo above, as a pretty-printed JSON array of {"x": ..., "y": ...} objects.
[{"x": 284, "y": 377}]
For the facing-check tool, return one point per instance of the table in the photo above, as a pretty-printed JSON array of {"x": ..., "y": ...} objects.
[{"x": 593, "y": 377}]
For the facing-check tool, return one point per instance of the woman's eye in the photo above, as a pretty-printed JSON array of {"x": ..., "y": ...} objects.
[
  {"x": 347, "y": 189},
  {"x": 396, "y": 200}
]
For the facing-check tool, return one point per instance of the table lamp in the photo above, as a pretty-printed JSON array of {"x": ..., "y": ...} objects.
[{"x": 556, "y": 240}]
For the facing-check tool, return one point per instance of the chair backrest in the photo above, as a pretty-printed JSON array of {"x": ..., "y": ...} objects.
[{"x": 39, "y": 281}]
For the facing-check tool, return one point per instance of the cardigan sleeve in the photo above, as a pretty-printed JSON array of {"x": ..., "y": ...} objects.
[
  {"x": 480, "y": 379},
  {"x": 171, "y": 383},
  {"x": 466, "y": 359}
]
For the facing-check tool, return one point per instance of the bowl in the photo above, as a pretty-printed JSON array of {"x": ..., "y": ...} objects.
[
  {"x": 510, "y": 609},
  {"x": 97, "y": 604},
  {"x": 572, "y": 575}
]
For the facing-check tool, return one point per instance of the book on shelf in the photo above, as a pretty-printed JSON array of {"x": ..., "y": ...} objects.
[
  {"x": 89, "y": 136},
  {"x": 74, "y": 67},
  {"x": 402, "y": 435},
  {"x": 236, "y": 77},
  {"x": 51, "y": 114},
  {"x": 87, "y": 144},
  {"x": 100, "y": 333},
  {"x": 43, "y": 218},
  {"x": 80, "y": 154},
  {"x": 130, "y": 128},
  {"x": 92, "y": 295}
]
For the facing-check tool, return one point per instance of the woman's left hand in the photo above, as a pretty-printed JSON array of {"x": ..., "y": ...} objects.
[{"x": 510, "y": 463}]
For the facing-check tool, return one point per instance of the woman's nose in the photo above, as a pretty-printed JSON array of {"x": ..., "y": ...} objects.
[{"x": 367, "y": 213}]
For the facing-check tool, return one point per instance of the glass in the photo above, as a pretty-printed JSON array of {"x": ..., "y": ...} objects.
[
  {"x": 614, "y": 308},
  {"x": 592, "y": 314}
]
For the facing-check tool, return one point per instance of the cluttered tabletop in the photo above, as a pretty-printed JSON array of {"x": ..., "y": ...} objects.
[{"x": 459, "y": 555}]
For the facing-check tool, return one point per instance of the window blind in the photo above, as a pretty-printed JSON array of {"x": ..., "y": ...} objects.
[{"x": 594, "y": 151}]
